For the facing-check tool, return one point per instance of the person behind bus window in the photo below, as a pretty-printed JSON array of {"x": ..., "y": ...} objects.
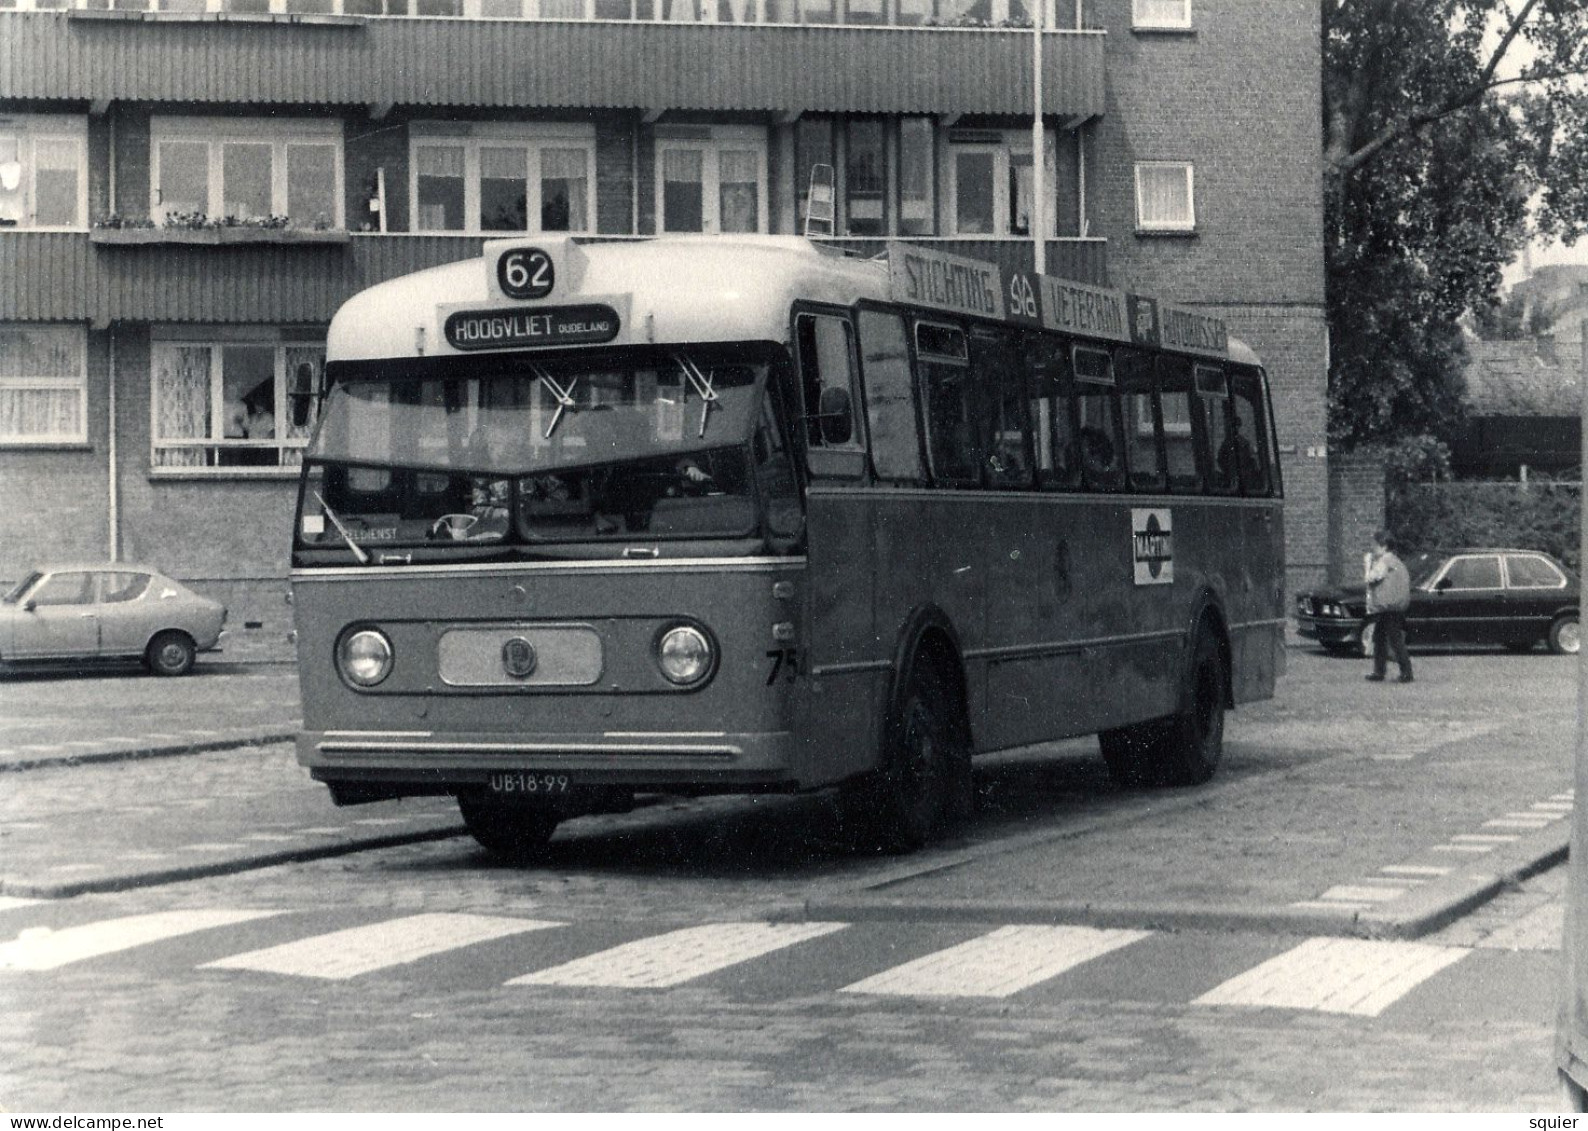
[{"x": 1237, "y": 458}]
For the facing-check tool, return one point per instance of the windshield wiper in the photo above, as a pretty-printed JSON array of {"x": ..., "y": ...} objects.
[
  {"x": 564, "y": 397},
  {"x": 358, "y": 551},
  {"x": 702, "y": 385}
]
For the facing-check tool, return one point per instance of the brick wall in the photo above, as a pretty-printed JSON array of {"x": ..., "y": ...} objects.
[{"x": 1356, "y": 510}]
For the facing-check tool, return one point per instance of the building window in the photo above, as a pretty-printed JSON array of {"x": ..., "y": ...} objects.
[
  {"x": 917, "y": 183},
  {"x": 1165, "y": 197},
  {"x": 43, "y": 171},
  {"x": 247, "y": 170},
  {"x": 991, "y": 182},
  {"x": 1161, "y": 14},
  {"x": 43, "y": 384},
  {"x": 883, "y": 169},
  {"x": 503, "y": 180},
  {"x": 234, "y": 401},
  {"x": 715, "y": 184}
]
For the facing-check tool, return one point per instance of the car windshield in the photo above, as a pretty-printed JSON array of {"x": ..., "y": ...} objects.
[
  {"x": 654, "y": 443},
  {"x": 14, "y": 594},
  {"x": 1421, "y": 567}
]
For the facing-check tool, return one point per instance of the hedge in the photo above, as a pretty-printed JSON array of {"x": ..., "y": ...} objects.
[{"x": 1535, "y": 516}]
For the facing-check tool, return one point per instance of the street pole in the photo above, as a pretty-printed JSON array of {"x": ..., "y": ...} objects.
[{"x": 1039, "y": 227}]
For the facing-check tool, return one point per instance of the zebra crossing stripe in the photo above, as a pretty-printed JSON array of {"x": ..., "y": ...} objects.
[
  {"x": 44, "y": 949},
  {"x": 1336, "y": 975},
  {"x": 359, "y": 950},
  {"x": 678, "y": 956},
  {"x": 998, "y": 964}
]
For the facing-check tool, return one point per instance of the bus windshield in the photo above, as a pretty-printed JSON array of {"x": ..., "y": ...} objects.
[
  {"x": 653, "y": 443},
  {"x": 533, "y": 415}
]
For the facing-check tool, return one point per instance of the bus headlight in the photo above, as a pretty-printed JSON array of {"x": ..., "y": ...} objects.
[
  {"x": 684, "y": 654},
  {"x": 365, "y": 657}
]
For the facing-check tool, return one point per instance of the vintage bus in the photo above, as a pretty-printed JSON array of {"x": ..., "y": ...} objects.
[{"x": 705, "y": 515}]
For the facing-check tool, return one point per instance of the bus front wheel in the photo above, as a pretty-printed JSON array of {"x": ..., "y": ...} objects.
[
  {"x": 925, "y": 779},
  {"x": 514, "y": 832}
]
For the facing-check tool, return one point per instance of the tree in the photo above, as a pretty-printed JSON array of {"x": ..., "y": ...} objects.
[{"x": 1442, "y": 119}]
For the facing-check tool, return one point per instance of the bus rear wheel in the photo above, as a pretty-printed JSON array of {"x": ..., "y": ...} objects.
[
  {"x": 1183, "y": 748},
  {"x": 518, "y": 833},
  {"x": 925, "y": 780}
]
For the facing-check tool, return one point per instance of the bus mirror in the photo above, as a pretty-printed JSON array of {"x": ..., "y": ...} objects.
[{"x": 837, "y": 416}]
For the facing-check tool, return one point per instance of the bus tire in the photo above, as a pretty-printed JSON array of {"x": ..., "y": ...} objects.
[
  {"x": 1183, "y": 748},
  {"x": 1133, "y": 753},
  {"x": 925, "y": 780},
  {"x": 514, "y": 832},
  {"x": 1194, "y": 736}
]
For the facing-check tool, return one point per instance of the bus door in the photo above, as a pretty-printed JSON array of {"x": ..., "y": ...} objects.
[
  {"x": 837, "y": 664},
  {"x": 1018, "y": 553},
  {"x": 1247, "y": 455}
]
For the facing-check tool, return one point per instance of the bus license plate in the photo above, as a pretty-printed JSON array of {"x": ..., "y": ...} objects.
[{"x": 532, "y": 784}]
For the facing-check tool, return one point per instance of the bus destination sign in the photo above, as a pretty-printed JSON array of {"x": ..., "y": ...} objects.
[
  {"x": 517, "y": 327},
  {"x": 947, "y": 282}
]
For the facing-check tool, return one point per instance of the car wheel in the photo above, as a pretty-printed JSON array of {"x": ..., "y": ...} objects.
[
  {"x": 1565, "y": 637},
  {"x": 925, "y": 780},
  {"x": 171, "y": 653},
  {"x": 1364, "y": 639},
  {"x": 518, "y": 833}
]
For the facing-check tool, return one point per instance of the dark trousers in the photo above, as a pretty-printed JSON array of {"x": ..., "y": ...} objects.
[{"x": 1389, "y": 632}]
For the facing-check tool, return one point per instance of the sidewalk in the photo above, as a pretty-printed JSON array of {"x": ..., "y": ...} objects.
[{"x": 1376, "y": 812}]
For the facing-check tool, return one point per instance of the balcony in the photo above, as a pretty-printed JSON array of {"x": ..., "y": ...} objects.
[
  {"x": 231, "y": 57},
  {"x": 72, "y": 276}
]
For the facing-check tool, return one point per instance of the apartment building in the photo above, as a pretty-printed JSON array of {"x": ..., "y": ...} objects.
[{"x": 189, "y": 188}]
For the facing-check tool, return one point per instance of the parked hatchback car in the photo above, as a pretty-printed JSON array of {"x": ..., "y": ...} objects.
[
  {"x": 78, "y": 613},
  {"x": 1469, "y": 596}
]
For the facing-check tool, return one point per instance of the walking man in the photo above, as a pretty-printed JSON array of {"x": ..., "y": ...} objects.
[{"x": 1389, "y": 594}]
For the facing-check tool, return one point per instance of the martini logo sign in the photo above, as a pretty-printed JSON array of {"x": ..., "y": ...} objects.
[{"x": 1152, "y": 545}]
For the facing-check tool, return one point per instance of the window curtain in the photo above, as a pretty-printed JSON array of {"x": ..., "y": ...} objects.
[
  {"x": 1165, "y": 199},
  {"x": 565, "y": 171},
  {"x": 1162, "y": 12},
  {"x": 182, "y": 404},
  {"x": 738, "y": 172},
  {"x": 41, "y": 384}
]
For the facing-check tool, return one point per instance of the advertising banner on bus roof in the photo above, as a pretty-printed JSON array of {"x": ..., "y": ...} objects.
[
  {"x": 1068, "y": 306},
  {"x": 937, "y": 279}
]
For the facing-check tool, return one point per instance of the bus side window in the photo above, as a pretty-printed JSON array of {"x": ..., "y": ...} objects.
[
  {"x": 1052, "y": 397},
  {"x": 1213, "y": 408},
  {"x": 952, "y": 404},
  {"x": 996, "y": 367},
  {"x": 1135, "y": 373},
  {"x": 890, "y": 399},
  {"x": 1097, "y": 419},
  {"x": 1250, "y": 434},
  {"x": 827, "y": 381},
  {"x": 1184, "y": 428}
]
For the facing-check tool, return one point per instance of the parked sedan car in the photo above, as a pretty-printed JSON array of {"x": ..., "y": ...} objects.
[
  {"x": 1469, "y": 596},
  {"x": 78, "y": 613}
]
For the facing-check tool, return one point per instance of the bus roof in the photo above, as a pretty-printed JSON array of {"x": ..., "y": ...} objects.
[
  {"x": 673, "y": 289},
  {"x": 694, "y": 288}
]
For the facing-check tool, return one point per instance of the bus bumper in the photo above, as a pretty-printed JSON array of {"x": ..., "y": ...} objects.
[{"x": 377, "y": 765}]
